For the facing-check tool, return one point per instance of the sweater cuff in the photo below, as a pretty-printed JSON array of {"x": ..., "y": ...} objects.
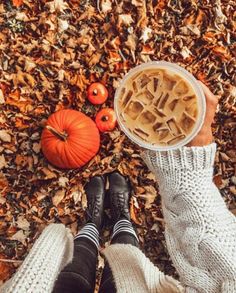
[{"x": 185, "y": 158}]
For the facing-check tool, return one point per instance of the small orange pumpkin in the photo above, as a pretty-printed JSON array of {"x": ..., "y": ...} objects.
[
  {"x": 106, "y": 119},
  {"x": 70, "y": 139},
  {"x": 97, "y": 93}
]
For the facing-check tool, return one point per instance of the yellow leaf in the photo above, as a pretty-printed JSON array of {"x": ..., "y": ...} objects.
[
  {"x": 133, "y": 211},
  {"x": 58, "y": 197}
]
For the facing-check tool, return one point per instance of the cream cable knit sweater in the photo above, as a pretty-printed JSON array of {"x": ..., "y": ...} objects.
[
  {"x": 48, "y": 256},
  {"x": 134, "y": 273},
  {"x": 200, "y": 231},
  {"x": 200, "y": 234}
]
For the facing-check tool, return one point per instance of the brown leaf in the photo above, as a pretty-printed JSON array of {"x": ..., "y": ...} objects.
[
  {"x": 36, "y": 147},
  {"x": 149, "y": 196},
  {"x": 6, "y": 268},
  {"x": 3, "y": 184},
  {"x": 78, "y": 79},
  {"x": 134, "y": 211},
  {"x": 22, "y": 223},
  {"x": 190, "y": 19},
  {"x": 200, "y": 17},
  {"x": 218, "y": 180},
  {"x": 48, "y": 174},
  {"x": 14, "y": 99},
  {"x": 23, "y": 78},
  {"x": 160, "y": 5},
  {"x": 210, "y": 37},
  {"x": 57, "y": 5},
  {"x": 21, "y": 160},
  {"x": 21, "y": 122},
  {"x": 106, "y": 6},
  {"x": 131, "y": 43},
  {"x": 95, "y": 58},
  {"x": 125, "y": 19},
  {"x": 11, "y": 231},
  {"x": 5, "y": 136},
  {"x": 114, "y": 56},
  {"x": 2, "y": 99},
  {"x": 19, "y": 236},
  {"x": 221, "y": 52},
  {"x": 58, "y": 197},
  {"x": 3, "y": 162}
]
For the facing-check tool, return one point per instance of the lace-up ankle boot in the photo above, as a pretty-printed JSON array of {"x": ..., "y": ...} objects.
[
  {"x": 95, "y": 192},
  {"x": 119, "y": 194}
]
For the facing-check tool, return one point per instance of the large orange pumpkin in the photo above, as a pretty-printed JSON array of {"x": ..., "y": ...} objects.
[{"x": 70, "y": 139}]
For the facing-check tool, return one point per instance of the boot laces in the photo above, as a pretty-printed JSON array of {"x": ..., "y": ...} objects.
[
  {"x": 119, "y": 207},
  {"x": 93, "y": 207}
]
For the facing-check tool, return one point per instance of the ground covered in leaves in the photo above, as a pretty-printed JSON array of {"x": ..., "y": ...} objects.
[{"x": 50, "y": 51}]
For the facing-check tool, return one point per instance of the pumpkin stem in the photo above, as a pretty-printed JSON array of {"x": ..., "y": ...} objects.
[
  {"x": 105, "y": 118},
  {"x": 60, "y": 135}
]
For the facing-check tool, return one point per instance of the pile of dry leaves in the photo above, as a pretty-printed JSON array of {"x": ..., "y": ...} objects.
[{"x": 50, "y": 51}]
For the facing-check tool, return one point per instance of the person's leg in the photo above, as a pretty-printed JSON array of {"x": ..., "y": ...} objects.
[
  {"x": 124, "y": 233},
  {"x": 80, "y": 275}
]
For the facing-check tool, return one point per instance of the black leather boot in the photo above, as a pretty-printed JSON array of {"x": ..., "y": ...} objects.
[
  {"x": 95, "y": 192},
  {"x": 119, "y": 194}
]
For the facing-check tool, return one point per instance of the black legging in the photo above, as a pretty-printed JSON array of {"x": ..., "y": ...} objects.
[{"x": 80, "y": 275}]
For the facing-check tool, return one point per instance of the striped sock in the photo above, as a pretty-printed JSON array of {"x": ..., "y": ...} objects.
[
  {"x": 90, "y": 232},
  {"x": 124, "y": 225}
]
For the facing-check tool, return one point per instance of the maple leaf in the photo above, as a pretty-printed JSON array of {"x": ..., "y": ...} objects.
[
  {"x": 125, "y": 19},
  {"x": 146, "y": 34},
  {"x": 185, "y": 52},
  {"x": 106, "y": 6},
  {"x": 62, "y": 25},
  {"x": 58, "y": 6}
]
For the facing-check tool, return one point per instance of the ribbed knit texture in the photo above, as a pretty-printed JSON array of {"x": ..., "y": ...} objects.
[
  {"x": 50, "y": 254},
  {"x": 200, "y": 231},
  {"x": 134, "y": 273},
  {"x": 89, "y": 231},
  {"x": 123, "y": 225}
]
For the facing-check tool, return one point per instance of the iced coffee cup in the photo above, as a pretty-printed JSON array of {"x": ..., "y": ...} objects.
[{"x": 160, "y": 106}]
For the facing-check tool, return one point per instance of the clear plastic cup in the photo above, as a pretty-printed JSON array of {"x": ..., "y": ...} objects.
[{"x": 172, "y": 68}]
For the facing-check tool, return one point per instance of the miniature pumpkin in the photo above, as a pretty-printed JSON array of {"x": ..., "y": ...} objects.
[
  {"x": 97, "y": 93},
  {"x": 106, "y": 119},
  {"x": 70, "y": 139}
]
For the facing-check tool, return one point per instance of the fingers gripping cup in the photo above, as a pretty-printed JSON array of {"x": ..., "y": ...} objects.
[{"x": 160, "y": 106}]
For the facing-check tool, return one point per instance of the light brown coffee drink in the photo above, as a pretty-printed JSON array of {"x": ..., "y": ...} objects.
[{"x": 158, "y": 106}]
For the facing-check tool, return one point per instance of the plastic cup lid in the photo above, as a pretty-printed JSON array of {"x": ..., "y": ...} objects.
[{"x": 186, "y": 76}]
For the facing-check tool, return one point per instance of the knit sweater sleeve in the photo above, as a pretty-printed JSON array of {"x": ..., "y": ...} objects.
[
  {"x": 52, "y": 251},
  {"x": 200, "y": 230}
]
